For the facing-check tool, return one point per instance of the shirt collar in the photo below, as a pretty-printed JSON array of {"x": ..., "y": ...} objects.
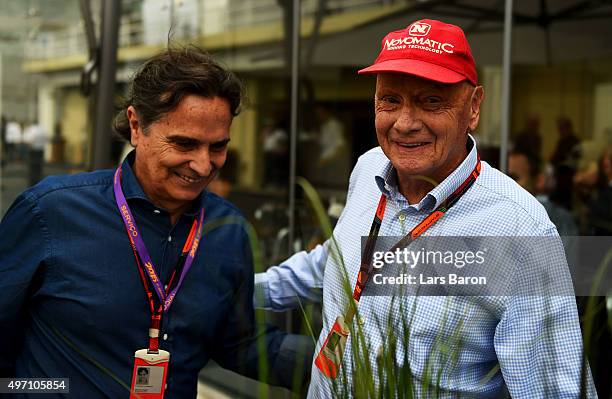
[
  {"x": 133, "y": 190},
  {"x": 386, "y": 179}
]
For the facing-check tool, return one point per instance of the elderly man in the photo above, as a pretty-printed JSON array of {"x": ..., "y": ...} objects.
[
  {"x": 139, "y": 268},
  {"x": 426, "y": 179}
]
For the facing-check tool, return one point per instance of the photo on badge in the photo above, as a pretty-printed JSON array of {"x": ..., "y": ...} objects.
[{"x": 143, "y": 376}]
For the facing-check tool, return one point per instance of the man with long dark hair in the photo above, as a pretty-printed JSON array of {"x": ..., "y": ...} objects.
[{"x": 109, "y": 272}]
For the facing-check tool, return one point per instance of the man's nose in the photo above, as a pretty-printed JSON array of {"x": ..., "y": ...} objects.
[
  {"x": 201, "y": 164},
  {"x": 408, "y": 119}
]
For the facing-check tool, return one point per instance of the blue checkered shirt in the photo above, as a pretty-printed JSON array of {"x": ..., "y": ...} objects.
[{"x": 527, "y": 346}]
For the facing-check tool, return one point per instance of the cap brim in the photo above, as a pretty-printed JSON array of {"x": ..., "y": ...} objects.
[{"x": 418, "y": 68}]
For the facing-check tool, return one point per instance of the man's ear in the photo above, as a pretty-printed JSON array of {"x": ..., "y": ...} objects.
[
  {"x": 135, "y": 127},
  {"x": 475, "y": 102}
]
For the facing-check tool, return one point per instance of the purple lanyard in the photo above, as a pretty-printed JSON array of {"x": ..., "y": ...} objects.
[{"x": 140, "y": 249}]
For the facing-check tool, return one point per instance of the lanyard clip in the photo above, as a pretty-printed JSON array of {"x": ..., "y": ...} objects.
[{"x": 154, "y": 333}]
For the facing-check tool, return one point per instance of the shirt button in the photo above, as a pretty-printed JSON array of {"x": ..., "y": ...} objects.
[
  {"x": 402, "y": 217},
  {"x": 165, "y": 337},
  {"x": 156, "y": 211},
  {"x": 361, "y": 321},
  {"x": 169, "y": 238}
]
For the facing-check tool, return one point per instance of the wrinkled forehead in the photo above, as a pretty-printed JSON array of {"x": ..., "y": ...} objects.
[{"x": 402, "y": 82}]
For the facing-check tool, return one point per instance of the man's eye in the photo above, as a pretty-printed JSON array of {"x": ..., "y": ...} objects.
[
  {"x": 387, "y": 102},
  {"x": 389, "y": 99},
  {"x": 431, "y": 102},
  {"x": 185, "y": 145},
  {"x": 218, "y": 147}
]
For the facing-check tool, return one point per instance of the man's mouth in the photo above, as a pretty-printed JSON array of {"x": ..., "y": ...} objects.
[
  {"x": 190, "y": 179},
  {"x": 411, "y": 145}
]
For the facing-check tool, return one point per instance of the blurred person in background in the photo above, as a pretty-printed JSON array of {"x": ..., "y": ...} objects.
[
  {"x": 564, "y": 161},
  {"x": 13, "y": 141},
  {"x": 529, "y": 140},
  {"x": 3, "y": 150},
  {"x": 227, "y": 177},
  {"x": 103, "y": 271},
  {"x": 334, "y": 163},
  {"x": 600, "y": 206},
  {"x": 587, "y": 181},
  {"x": 526, "y": 171},
  {"x": 276, "y": 151},
  {"x": 35, "y": 138},
  {"x": 593, "y": 180}
]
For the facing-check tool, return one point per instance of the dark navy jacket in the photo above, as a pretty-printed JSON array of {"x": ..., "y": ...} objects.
[{"x": 72, "y": 303}]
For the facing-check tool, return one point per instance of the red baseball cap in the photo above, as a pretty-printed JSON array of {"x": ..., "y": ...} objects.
[{"x": 428, "y": 49}]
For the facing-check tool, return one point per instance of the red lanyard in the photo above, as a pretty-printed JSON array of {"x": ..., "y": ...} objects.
[
  {"x": 145, "y": 264},
  {"x": 329, "y": 359},
  {"x": 365, "y": 270},
  {"x": 156, "y": 312}
]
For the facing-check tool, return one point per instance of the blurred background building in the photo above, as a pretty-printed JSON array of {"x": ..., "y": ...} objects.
[{"x": 64, "y": 65}]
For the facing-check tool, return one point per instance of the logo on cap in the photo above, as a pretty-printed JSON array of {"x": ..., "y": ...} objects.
[
  {"x": 419, "y": 29},
  {"x": 441, "y": 49}
]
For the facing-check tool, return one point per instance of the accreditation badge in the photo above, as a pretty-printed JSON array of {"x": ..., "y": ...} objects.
[
  {"x": 149, "y": 375},
  {"x": 329, "y": 359}
]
